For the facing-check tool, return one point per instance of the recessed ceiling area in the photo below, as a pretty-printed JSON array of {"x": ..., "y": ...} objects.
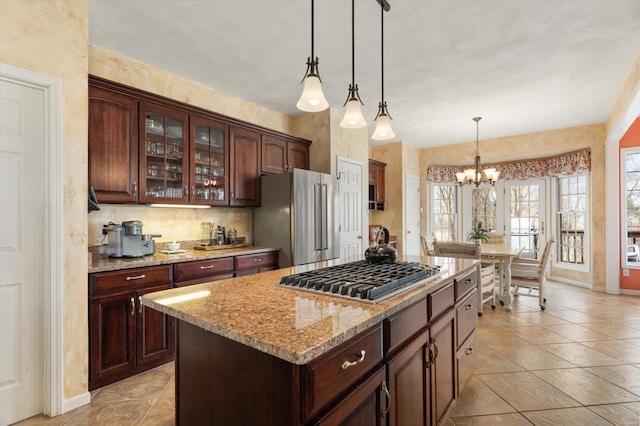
[{"x": 524, "y": 66}]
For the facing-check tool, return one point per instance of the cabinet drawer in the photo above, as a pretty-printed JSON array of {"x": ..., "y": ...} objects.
[
  {"x": 108, "y": 282},
  {"x": 402, "y": 325},
  {"x": 439, "y": 301},
  {"x": 467, "y": 359},
  {"x": 467, "y": 317},
  {"x": 466, "y": 283},
  {"x": 260, "y": 260},
  {"x": 333, "y": 373},
  {"x": 202, "y": 268}
]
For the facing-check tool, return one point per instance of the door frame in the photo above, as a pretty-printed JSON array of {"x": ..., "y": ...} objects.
[
  {"x": 364, "y": 187},
  {"x": 51, "y": 285},
  {"x": 405, "y": 239}
]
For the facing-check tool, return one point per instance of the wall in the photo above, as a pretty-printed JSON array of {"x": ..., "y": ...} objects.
[
  {"x": 51, "y": 38},
  {"x": 630, "y": 139},
  {"x": 536, "y": 145}
]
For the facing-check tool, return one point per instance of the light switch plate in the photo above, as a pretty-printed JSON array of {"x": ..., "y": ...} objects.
[{"x": 625, "y": 272}]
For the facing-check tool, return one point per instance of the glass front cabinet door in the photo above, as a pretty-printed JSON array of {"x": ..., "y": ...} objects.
[
  {"x": 164, "y": 167},
  {"x": 209, "y": 159}
]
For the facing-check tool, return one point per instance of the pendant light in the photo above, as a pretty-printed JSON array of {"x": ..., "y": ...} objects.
[
  {"x": 353, "y": 118},
  {"x": 475, "y": 175},
  {"x": 312, "y": 98},
  {"x": 383, "y": 129}
]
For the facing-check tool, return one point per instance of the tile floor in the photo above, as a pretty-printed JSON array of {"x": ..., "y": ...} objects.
[{"x": 576, "y": 363}]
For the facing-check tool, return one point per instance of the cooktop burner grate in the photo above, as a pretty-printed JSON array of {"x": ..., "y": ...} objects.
[{"x": 362, "y": 280}]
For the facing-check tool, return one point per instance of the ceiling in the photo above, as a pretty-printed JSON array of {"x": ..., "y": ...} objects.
[{"x": 524, "y": 66}]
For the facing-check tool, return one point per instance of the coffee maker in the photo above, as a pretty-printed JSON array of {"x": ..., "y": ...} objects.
[{"x": 127, "y": 240}]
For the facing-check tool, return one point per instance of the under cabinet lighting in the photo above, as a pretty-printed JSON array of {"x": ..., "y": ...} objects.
[{"x": 181, "y": 206}]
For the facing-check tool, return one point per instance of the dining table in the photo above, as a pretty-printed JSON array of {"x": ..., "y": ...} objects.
[{"x": 502, "y": 253}]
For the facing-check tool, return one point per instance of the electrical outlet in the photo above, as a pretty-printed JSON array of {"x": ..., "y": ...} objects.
[{"x": 625, "y": 272}]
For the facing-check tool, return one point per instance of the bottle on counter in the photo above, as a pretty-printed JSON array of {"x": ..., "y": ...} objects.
[{"x": 220, "y": 236}]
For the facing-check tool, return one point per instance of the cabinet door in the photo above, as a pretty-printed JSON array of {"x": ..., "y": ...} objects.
[
  {"x": 209, "y": 159},
  {"x": 154, "y": 330},
  {"x": 113, "y": 146},
  {"x": 297, "y": 156},
  {"x": 112, "y": 335},
  {"x": 409, "y": 384},
  {"x": 244, "y": 187},
  {"x": 164, "y": 173},
  {"x": 366, "y": 405},
  {"x": 443, "y": 349},
  {"x": 274, "y": 155}
]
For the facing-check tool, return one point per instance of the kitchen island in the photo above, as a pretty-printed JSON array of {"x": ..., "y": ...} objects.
[{"x": 251, "y": 352}]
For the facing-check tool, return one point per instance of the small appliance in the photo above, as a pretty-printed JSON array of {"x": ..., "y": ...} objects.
[{"x": 127, "y": 239}]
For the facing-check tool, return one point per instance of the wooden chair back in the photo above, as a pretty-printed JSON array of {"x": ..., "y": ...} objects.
[{"x": 456, "y": 249}]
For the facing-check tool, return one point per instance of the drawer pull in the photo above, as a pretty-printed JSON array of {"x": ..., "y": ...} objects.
[
  {"x": 207, "y": 267},
  {"x": 467, "y": 307},
  {"x": 137, "y": 277},
  {"x": 133, "y": 306},
  {"x": 468, "y": 351},
  {"x": 469, "y": 280},
  {"x": 139, "y": 304},
  {"x": 348, "y": 364},
  {"x": 257, "y": 259},
  {"x": 385, "y": 410}
]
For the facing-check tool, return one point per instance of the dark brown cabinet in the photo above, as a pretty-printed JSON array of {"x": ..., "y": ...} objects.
[
  {"x": 244, "y": 187},
  {"x": 201, "y": 271},
  {"x": 255, "y": 263},
  {"x": 209, "y": 158},
  {"x": 113, "y": 146},
  {"x": 280, "y": 155},
  {"x": 126, "y": 338},
  {"x": 442, "y": 344},
  {"x": 376, "y": 185}
]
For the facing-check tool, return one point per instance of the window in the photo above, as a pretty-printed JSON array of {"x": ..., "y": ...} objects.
[
  {"x": 631, "y": 207},
  {"x": 445, "y": 212},
  {"x": 484, "y": 208},
  {"x": 572, "y": 219}
]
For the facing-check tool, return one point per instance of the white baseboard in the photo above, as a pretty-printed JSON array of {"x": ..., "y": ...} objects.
[
  {"x": 75, "y": 402},
  {"x": 630, "y": 292},
  {"x": 572, "y": 282}
]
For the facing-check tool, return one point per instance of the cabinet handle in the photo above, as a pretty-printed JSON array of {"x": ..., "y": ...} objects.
[
  {"x": 348, "y": 364},
  {"x": 135, "y": 188},
  {"x": 140, "y": 304},
  {"x": 193, "y": 191},
  {"x": 231, "y": 195},
  {"x": 467, "y": 307},
  {"x": 385, "y": 389},
  {"x": 133, "y": 306},
  {"x": 257, "y": 259},
  {"x": 468, "y": 351},
  {"x": 136, "y": 277},
  {"x": 207, "y": 267},
  {"x": 435, "y": 350},
  {"x": 186, "y": 192}
]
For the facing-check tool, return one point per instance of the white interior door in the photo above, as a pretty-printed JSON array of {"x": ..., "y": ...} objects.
[
  {"x": 350, "y": 188},
  {"x": 412, "y": 216},
  {"x": 526, "y": 215},
  {"x": 22, "y": 178}
]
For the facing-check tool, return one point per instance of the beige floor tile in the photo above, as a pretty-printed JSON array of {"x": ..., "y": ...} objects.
[
  {"x": 148, "y": 386},
  {"x": 477, "y": 399},
  {"x": 626, "y": 414},
  {"x": 104, "y": 413},
  {"x": 538, "y": 335},
  {"x": 42, "y": 420},
  {"x": 577, "y": 333},
  {"x": 579, "y": 416},
  {"x": 618, "y": 349},
  {"x": 614, "y": 330},
  {"x": 491, "y": 361},
  {"x": 585, "y": 387},
  {"x": 573, "y": 316},
  {"x": 161, "y": 414},
  {"x": 526, "y": 392},
  {"x": 580, "y": 355},
  {"x": 541, "y": 318},
  {"x": 625, "y": 376},
  {"x": 514, "y": 419},
  {"x": 635, "y": 342},
  {"x": 532, "y": 357}
]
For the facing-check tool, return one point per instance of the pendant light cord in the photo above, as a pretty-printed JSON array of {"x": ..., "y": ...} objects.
[
  {"x": 313, "y": 58},
  {"x": 353, "y": 43},
  {"x": 382, "y": 51}
]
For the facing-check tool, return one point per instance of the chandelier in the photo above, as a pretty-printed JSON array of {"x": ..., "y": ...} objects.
[{"x": 475, "y": 175}]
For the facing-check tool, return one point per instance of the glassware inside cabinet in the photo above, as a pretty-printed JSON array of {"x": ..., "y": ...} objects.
[{"x": 209, "y": 163}]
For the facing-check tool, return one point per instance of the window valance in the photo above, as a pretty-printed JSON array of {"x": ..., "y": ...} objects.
[{"x": 559, "y": 165}]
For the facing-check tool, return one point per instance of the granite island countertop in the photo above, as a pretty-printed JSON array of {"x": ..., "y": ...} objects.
[
  {"x": 100, "y": 263},
  {"x": 293, "y": 325}
]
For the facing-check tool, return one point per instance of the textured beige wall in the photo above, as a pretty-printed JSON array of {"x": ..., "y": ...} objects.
[
  {"x": 50, "y": 37},
  {"x": 631, "y": 83},
  {"x": 536, "y": 145},
  {"x": 317, "y": 128},
  {"x": 349, "y": 143},
  {"x": 391, "y": 217}
]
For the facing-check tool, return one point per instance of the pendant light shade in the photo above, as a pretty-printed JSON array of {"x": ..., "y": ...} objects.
[
  {"x": 383, "y": 129},
  {"x": 312, "y": 98},
  {"x": 353, "y": 118}
]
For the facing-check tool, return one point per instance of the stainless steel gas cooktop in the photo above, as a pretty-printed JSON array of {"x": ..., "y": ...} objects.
[{"x": 364, "y": 281}]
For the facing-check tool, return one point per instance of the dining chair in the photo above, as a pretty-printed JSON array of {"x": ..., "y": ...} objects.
[
  {"x": 531, "y": 273},
  {"x": 487, "y": 289},
  {"x": 496, "y": 238},
  {"x": 633, "y": 253}
]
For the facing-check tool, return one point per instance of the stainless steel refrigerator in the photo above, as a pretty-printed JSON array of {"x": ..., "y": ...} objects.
[{"x": 299, "y": 215}]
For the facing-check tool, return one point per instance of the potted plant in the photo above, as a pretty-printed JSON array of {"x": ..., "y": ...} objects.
[{"x": 478, "y": 234}]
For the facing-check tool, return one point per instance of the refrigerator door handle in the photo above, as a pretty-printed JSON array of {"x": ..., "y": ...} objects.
[
  {"x": 317, "y": 223},
  {"x": 323, "y": 218}
]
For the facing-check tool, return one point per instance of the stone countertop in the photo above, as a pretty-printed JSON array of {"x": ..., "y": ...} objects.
[
  {"x": 100, "y": 263},
  {"x": 293, "y": 325}
]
